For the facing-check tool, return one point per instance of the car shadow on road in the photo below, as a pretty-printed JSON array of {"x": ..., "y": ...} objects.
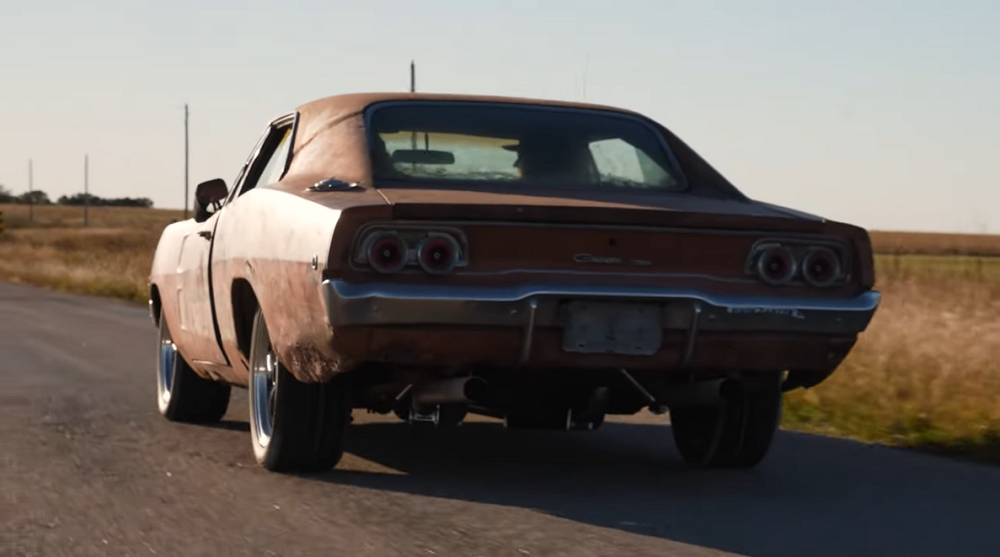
[
  {"x": 229, "y": 425},
  {"x": 812, "y": 496}
]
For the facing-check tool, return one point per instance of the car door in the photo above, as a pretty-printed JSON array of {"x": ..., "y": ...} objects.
[
  {"x": 198, "y": 334},
  {"x": 229, "y": 252},
  {"x": 193, "y": 303}
]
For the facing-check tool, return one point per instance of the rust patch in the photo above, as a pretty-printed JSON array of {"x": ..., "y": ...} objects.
[{"x": 308, "y": 364}]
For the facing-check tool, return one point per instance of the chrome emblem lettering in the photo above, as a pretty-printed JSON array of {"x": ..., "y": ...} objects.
[
  {"x": 588, "y": 258},
  {"x": 787, "y": 312}
]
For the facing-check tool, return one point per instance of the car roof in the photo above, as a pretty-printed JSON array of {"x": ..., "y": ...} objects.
[
  {"x": 322, "y": 147},
  {"x": 356, "y": 102},
  {"x": 320, "y": 114}
]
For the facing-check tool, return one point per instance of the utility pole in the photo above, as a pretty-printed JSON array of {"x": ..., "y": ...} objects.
[
  {"x": 31, "y": 188},
  {"x": 413, "y": 89},
  {"x": 185, "y": 161},
  {"x": 86, "y": 190}
]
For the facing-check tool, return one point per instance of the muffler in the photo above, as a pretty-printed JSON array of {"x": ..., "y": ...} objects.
[{"x": 459, "y": 390}]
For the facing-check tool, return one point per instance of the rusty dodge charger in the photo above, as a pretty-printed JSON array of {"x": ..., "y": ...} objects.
[{"x": 540, "y": 262}]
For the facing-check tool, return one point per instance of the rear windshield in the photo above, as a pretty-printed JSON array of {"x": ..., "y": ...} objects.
[{"x": 520, "y": 145}]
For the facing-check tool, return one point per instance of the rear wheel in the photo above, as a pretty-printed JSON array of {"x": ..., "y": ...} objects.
[
  {"x": 735, "y": 434},
  {"x": 182, "y": 395},
  {"x": 294, "y": 426}
]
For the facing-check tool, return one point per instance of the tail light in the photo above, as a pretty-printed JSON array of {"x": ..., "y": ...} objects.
[
  {"x": 777, "y": 265},
  {"x": 437, "y": 255},
  {"x": 821, "y": 267},
  {"x": 387, "y": 253},
  {"x": 817, "y": 263},
  {"x": 400, "y": 247}
]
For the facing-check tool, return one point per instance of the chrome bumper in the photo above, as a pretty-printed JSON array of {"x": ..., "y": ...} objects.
[{"x": 530, "y": 306}]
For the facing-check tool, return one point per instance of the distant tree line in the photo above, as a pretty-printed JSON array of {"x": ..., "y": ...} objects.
[
  {"x": 95, "y": 201},
  {"x": 39, "y": 197}
]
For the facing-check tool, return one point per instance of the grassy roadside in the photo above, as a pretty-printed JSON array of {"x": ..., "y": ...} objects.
[
  {"x": 925, "y": 375},
  {"x": 110, "y": 257},
  {"x": 98, "y": 261}
]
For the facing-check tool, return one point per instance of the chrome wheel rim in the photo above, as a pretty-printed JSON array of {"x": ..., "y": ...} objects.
[
  {"x": 167, "y": 365},
  {"x": 265, "y": 392}
]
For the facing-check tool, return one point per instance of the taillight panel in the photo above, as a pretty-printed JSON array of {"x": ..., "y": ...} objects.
[
  {"x": 777, "y": 265},
  {"x": 386, "y": 252},
  {"x": 818, "y": 263},
  {"x": 821, "y": 267},
  {"x": 392, "y": 248},
  {"x": 438, "y": 255}
]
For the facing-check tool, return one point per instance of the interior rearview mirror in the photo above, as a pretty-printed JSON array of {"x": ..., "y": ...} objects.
[
  {"x": 421, "y": 156},
  {"x": 209, "y": 194}
]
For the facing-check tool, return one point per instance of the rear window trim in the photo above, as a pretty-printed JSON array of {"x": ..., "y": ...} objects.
[{"x": 675, "y": 166}]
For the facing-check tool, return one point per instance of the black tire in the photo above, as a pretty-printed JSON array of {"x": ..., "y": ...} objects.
[
  {"x": 182, "y": 395},
  {"x": 735, "y": 434},
  {"x": 306, "y": 423}
]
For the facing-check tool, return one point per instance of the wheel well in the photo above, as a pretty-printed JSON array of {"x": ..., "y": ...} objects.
[
  {"x": 244, "y": 309},
  {"x": 154, "y": 303}
]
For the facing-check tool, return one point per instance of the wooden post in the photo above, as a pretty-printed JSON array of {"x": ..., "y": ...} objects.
[
  {"x": 413, "y": 89},
  {"x": 86, "y": 190},
  {"x": 186, "y": 165},
  {"x": 31, "y": 188}
]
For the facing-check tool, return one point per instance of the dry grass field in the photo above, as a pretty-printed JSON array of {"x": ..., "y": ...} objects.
[
  {"x": 925, "y": 375},
  {"x": 110, "y": 257},
  {"x": 928, "y": 243}
]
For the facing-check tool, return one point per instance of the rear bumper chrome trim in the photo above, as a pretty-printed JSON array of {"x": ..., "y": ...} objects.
[{"x": 536, "y": 305}]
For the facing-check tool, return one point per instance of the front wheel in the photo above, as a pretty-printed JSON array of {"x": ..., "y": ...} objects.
[
  {"x": 181, "y": 394},
  {"x": 294, "y": 426},
  {"x": 735, "y": 434}
]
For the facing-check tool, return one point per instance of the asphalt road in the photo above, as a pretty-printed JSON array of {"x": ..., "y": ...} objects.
[{"x": 88, "y": 467}]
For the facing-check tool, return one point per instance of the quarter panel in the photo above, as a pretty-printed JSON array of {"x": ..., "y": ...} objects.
[{"x": 271, "y": 239}]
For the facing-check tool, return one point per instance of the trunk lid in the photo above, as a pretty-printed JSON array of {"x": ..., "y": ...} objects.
[{"x": 592, "y": 207}]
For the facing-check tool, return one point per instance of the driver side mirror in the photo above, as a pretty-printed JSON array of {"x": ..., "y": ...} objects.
[{"x": 209, "y": 194}]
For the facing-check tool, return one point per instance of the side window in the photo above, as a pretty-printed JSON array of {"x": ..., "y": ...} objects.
[
  {"x": 236, "y": 185},
  {"x": 620, "y": 163},
  {"x": 276, "y": 163},
  {"x": 269, "y": 165},
  {"x": 234, "y": 188}
]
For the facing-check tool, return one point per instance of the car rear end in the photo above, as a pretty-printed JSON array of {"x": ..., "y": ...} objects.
[{"x": 634, "y": 277}]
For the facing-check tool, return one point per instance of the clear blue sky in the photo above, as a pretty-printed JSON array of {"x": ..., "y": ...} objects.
[{"x": 885, "y": 113}]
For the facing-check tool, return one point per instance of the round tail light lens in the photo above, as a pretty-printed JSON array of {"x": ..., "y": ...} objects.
[
  {"x": 387, "y": 254},
  {"x": 438, "y": 255},
  {"x": 777, "y": 265},
  {"x": 821, "y": 267}
]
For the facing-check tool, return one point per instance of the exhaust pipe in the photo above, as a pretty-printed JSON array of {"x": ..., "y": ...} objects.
[
  {"x": 460, "y": 390},
  {"x": 700, "y": 394}
]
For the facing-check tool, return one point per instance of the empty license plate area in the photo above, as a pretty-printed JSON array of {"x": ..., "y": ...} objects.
[{"x": 613, "y": 328}]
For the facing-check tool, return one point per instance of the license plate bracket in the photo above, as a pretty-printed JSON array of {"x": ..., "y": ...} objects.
[{"x": 613, "y": 328}]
